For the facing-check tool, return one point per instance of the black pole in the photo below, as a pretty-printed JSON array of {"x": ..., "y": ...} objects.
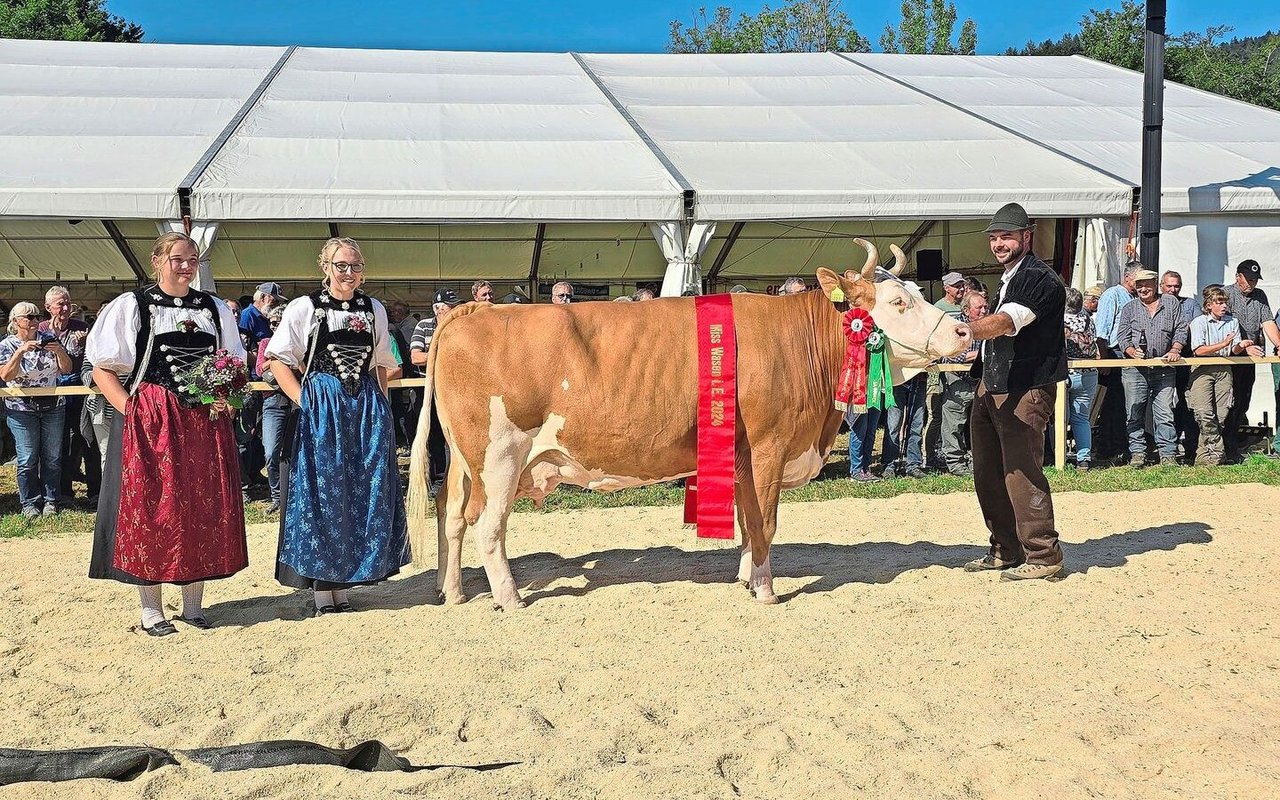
[{"x": 1152, "y": 130}]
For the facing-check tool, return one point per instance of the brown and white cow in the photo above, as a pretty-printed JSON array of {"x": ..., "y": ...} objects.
[{"x": 604, "y": 396}]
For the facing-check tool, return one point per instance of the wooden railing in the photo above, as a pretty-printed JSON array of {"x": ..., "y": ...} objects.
[{"x": 1060, "y": 419}]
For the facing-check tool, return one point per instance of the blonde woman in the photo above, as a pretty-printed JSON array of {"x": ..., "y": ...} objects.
[
  {"x": 343, "y": 519},
  {"x": 31, "y": 358},
  {"x": 170, "y": 509}
]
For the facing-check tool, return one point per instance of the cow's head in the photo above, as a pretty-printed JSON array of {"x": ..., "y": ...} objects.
[{"x": 918, "y": 333}]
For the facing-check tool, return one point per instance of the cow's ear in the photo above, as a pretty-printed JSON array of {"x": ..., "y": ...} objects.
[{"x": 830, "y": 282}]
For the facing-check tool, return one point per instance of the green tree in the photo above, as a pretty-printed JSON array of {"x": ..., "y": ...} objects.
[
  {"x": 928, "y": 26},
  {"x": 798, "y": 26},
  {"x": 71, "y": 20}
]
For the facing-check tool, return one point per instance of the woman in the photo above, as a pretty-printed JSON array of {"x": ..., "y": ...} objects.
[
  {"x": 30, "y": 358},
  {"x": 170, "y": 509},
  {"x": 1082, "y": 342},
  {"x": 343, "y": 522}
]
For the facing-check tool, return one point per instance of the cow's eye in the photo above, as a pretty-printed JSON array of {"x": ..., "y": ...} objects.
[{"x": 899, "y": 303}]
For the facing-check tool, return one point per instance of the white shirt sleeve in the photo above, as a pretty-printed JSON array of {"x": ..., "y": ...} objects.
[
  {"x": 229, "y": 332},
  {"x": 382, "y": 355},
  {"x": 112, "y": 341},
  {"x": 288, "y": 344},
  {"x": 1020, "y": 314}
]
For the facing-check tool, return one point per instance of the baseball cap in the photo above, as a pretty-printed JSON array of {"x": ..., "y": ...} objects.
[
  {"x": 449, "y": 297},
  {"x": 952, "y": 278},
  {"x": 272, "y": 288},
  {"x": 1145, "y": 275},
  {"x": 1250, "y": 269},
  {"x": 1095, "y": 290}
]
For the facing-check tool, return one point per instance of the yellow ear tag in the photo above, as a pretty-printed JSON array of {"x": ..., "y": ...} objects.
[{"x": 837, "y": 295}]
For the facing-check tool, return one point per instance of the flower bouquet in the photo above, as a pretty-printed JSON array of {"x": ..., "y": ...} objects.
[{"x": 219, "y": 376}]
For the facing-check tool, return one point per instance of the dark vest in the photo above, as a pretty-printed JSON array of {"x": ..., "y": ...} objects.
[
  {"x": 163, "y": 356},
  {"x": 345, "y": 354},
  {"x": 1037, "y": 355}
]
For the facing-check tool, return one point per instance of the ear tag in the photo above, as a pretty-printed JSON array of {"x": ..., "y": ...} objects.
[{"x": 837, "y": 295}]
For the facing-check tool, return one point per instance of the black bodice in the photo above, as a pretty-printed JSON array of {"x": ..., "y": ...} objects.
[
  {"x": 166, "y": 355},
  {"x": 347, "y": 354}
]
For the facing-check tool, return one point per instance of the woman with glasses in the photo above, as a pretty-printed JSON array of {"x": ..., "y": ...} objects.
[
  {"x": 31, "y": 358},
  {"x": 169, "y": 510},
  {"x": 343, "y": 519}
]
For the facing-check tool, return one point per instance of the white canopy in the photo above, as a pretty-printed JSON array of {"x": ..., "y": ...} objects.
[
  {"x": 91, "y": 130},
  {"x": 807, "y": 136},
  {"x": 1219, "y": 154},
  {"x": 407, "y": 135}
]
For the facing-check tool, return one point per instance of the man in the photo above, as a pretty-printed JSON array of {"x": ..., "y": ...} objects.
[
  {"x": 446, "y": 301},
  {"x": 562, "y": 293},
  {"x": 957, "y": 395},
  {"x": 482, "y": 292},
  {"x": 404, "y": 402},
  {"x": 642, "y": 295},
  {"x": 793, "y": 286},
  {"x": 254, "y": 326},
  {"x": 1020, "y": 362},
  {"x": 1152, "y": 327},
  {"x": 1184, "y": 422},
  {"x": 400, "y": 319},
  {"x": 1091, "y": 296},
  {"x": 1111, "y": 439},
  {"x": 954, "y": 287},
  {"x": 71, "y": 333},
  {"x": 1249, "y": 305}
]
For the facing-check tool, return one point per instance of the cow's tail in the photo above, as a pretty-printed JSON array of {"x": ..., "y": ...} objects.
[{"x": 422, "y": 523}]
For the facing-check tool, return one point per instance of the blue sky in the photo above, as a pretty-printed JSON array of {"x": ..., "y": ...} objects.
[{"x": 618, "y": 26}]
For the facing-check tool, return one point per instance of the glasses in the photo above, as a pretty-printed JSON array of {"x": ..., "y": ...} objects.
[
  {"x": 27, "y": 316},
  {"x": 347, "y": 268},
  {"x": 177, "y": 261}
]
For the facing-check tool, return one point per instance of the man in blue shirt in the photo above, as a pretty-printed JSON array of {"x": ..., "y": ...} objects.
[
  {"x": 1110, "y": 437},
  {"x": 1109, "y": 305},
  {"x": 254, "y": 326}
]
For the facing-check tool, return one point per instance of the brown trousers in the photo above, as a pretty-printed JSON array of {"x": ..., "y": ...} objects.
[{"x": 1006, "y": 432}]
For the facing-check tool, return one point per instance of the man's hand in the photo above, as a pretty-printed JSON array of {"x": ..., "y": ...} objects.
[{"x": 1171, "y": 356}]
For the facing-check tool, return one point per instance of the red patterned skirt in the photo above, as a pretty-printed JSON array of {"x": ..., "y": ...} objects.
[{"x": 178, "y": 516}]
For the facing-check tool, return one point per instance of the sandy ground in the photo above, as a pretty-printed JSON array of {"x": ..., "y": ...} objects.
[{"x": 639, "y": 670}]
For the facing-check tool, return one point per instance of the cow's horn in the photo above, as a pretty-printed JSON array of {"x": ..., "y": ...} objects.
[
  {"x": 899, "y": 259},
  {"x": 873, "y": 258}
]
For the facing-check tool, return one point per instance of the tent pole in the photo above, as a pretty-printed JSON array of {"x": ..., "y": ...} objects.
[
  {"x": 126, "y": 253},
  {"x": 1152, "y": 130},
  {"x": 714, "y": 273},
  {"x": 538, "y": 237}
]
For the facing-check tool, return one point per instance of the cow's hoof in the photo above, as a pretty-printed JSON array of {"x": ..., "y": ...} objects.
[
  {"x": 744, "y": 583},
  {"x": 509, "y": 607},
  {"x": 455, "y": 600},
  {"x": 769, "y": 599}
]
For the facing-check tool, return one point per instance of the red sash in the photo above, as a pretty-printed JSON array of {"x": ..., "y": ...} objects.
[{"x": 709, "y": 495}]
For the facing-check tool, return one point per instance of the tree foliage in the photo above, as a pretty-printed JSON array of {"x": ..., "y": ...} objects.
[
  {"x": 1246, "y": 69},
  {"x": 928, "y": 26},
  {"x": 798, "y": 26},
  {"x": 70, "y": 20}
]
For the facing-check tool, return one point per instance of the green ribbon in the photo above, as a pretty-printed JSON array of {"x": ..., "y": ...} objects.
[{"x": 879, "y": 381}]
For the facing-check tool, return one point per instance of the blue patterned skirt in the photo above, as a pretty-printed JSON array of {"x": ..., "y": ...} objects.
[{"x": 342, "y": 520}]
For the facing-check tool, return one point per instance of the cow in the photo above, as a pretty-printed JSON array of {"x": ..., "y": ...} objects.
[{"x": 604, "y": 396}]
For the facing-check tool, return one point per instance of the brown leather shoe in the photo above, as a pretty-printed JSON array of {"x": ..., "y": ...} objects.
[
  {"x": 1029, "y": 572},
  {"x": 989, "y": 562}
]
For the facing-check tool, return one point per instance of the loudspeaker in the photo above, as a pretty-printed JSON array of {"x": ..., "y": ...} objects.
[{"x": 929, "y": 265}]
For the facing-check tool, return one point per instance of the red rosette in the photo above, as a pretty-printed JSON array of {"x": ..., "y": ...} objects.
[{"x": 851, "y": 391}]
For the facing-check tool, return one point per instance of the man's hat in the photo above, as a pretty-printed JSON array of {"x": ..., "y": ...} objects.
[
  {"x": 1095, "y": 290},
  {"x": 1250, "y": 269},
  {"x": 952, "y": 278},
  {"x": 272, "y": 288},
  {"x": 449, "y": 297},
  {"x": 1145, "y": 275},
  {"x": 1010, "y": 217}
]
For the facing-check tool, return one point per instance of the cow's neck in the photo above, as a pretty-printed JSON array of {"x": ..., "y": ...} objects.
[{"x": 820, "y": 349}]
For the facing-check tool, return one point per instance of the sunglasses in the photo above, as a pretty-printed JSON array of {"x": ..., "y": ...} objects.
[
  {"x": 345, "y": 268},
  {"x": 27, "y": 316}
]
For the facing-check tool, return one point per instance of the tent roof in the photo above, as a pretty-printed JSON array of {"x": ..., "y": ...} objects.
[
  {"x": 110, "y": 131},
  {"x": 386, "y": 134},
  {"x": 805, "y": 136},
  {"x": 1219, "y": 154},
  {"x": 92, "y": 130}
]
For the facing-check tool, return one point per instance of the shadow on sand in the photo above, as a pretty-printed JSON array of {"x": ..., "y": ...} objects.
[{"x": 830, "y": 565}]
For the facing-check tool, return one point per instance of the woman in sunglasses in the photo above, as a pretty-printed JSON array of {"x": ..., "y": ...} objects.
[
  {"x": 343, "y": 519},
  {"x": 31, "y": 358},
  {"x": 169, "y": 510}
]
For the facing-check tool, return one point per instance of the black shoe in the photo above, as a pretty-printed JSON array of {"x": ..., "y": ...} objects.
[
  {"x": 343, "y": 608},
  {"x": 322, "y": 610},
  {"x": 195, "y": 622},
  {"x": 915, "y": 472},
  {"x": 162, "y": 628}
]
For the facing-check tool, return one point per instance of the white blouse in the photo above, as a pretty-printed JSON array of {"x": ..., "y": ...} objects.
[
  {"x": 301, "y": 318},
  {"x": 113, "y": 339}
]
